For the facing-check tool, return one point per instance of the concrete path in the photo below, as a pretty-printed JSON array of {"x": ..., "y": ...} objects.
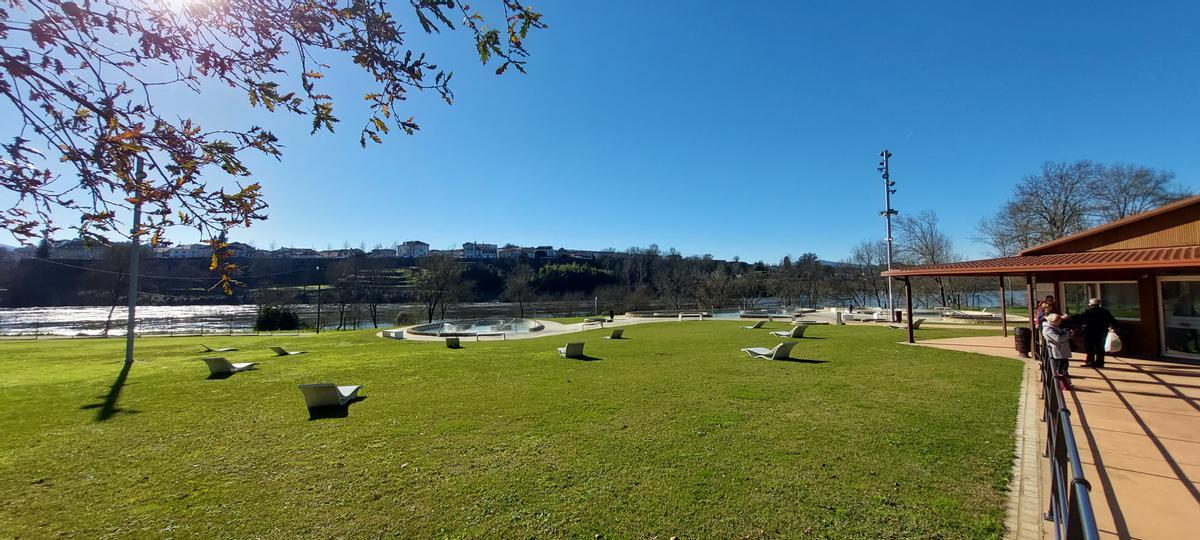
[
  {"x": 550, "y": 328},
  {"x": 1137, "y": 424}
]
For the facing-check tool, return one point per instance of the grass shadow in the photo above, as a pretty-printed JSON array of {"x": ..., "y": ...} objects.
[
  {"x": 802, "y": 360},
  {"x": 584, "y": 358},
  {"x": 332, "y": 411},
  {"x": 219, "y": 376},
  {"x": 108, "y": 407}
]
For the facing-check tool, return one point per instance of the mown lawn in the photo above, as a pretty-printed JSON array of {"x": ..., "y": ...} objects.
[{"x": 670, "y": 433}]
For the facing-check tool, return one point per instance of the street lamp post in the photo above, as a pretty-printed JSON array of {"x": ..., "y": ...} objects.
[
  {"x": 318, "y": 299},
  {"x": 887, "y": 213},
  {"x": 135, "y": 234}
]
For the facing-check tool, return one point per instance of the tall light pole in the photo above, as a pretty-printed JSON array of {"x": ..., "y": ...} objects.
[
  {"x": 318, "y": 299},
  {"x": 134, "y": 236},
  {"x": 887, "y": 214}
]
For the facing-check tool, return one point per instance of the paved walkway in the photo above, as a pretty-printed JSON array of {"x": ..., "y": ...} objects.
[{"x": 1137, "y": 424}]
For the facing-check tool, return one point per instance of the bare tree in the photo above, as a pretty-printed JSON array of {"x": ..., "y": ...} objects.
[
  {"x": 440, "y": 277},
  {"x": 869, "y": 258},
  {"x": 920, "y": 241},
  {"x": 1045, "y": 206},
  {"x": 1120, "y": 191},
  {"x": 750, "y": 288},
  {"x": 783, "y": 282},
  {"x": 517, "y": 289},
  {"x": 713, "y": 289},
  {"x": 672, "y": 284}
]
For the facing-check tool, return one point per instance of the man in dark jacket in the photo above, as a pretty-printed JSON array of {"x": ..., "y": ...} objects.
[{"x": 1096, "y": 322}]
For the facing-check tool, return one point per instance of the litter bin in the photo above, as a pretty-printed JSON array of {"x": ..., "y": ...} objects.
[{"x": 1021, "y": 339}]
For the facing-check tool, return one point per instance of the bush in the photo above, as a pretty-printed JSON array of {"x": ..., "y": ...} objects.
[
  {"x": 271, "y": 318},
  {"x": 572, "y": 277},
  {"x": 410, "y": 316}
]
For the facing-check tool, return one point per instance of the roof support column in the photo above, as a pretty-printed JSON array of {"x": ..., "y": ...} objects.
[
  {"x": 1003, "y": 308},
  {"x": 1029, "y": 291},
  {"x": 908, "y": 308}
]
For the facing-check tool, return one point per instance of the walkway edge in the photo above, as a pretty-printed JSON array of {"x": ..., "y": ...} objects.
[{"x": 1023, "y": 512}]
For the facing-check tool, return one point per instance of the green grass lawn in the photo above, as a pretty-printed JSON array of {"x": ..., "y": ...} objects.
[{"x": 672, "y": 432}]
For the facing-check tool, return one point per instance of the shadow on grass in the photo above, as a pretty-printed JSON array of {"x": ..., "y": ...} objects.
[
  {"x": 584, "y": 358},
  {"x": 333, "y": 411},
  {"x": 218, "y": 376},
  {"x": 802, "y": 360},
  {"x": 108, "y": 407}
]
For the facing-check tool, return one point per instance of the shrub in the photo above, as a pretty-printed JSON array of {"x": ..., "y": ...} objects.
[
  {"x": 410, "y": 316},
  {"x": 571, "y": 277},
  {"x": 271, "y": 318}
]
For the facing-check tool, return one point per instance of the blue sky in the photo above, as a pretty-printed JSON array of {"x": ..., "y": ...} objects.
[{"x": 748, "y": 129}]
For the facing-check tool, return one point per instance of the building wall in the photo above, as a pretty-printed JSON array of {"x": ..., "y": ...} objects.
[{"x": 1180, "y": 227}]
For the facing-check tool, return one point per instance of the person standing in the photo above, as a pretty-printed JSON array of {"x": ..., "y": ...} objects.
[
  {"x": 1058, "y": 345},
  {"x": 1044, "y": 308},
  {"x": 1096, "y": 322}
]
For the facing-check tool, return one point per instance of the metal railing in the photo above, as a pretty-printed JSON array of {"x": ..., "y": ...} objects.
[{"x": 1070, "y": 493}]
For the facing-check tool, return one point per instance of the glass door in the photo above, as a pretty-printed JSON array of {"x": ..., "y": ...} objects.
[{"x": 1179, "y": 297}]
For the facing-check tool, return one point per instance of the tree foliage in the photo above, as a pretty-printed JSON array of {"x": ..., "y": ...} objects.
[
  {"x": 561, "y": 278},
  {"x": 84, "y": 79}
]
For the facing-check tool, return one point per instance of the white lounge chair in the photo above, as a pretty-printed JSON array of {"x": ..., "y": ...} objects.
[
  {"x": 616, "y": 334},
  {"x": 916, "y": 325},
  {"x": 779, "y": 352},
  {"x": 205, "y": 348},
  {"x": 280, "y": 351},
  {"x": 221, "y": 366},
  {"x": 796, "y": 332},
  {"x": 329, "y": 394},
  {"x": 755, "y": 326},
  {"x": 572, "y": 350},
  {"x": 452, "y": 343}
]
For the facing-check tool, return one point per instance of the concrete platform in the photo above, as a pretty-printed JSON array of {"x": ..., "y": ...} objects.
[
  {"x": 549, "y": 328},
  {"x": 1137, "y": 424}
]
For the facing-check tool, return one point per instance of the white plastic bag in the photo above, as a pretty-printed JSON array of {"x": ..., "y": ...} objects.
[{"x": 1112, "y": 344}]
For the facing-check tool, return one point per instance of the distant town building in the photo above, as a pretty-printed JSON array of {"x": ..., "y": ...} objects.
[
  {"x": 510, "y": 251},
  {"x": 187, "y": 251},
  {"x": 295, "y": 253},
  {"x": 584, "y": 254},
  {"x": 472, "y": 250},
  {"x": 382, "y": 253},
  {"x": 73, "y": 249},
  {"x": 413, "y": 249},
  {"x": 244, "y": 251},
  {"x": 342, "y": 253}
]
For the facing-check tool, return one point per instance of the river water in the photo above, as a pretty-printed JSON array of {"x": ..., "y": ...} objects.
[{"x": 91, "y": 320}]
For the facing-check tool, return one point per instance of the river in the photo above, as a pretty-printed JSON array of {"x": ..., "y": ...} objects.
[{"x": 205, "y": 319}]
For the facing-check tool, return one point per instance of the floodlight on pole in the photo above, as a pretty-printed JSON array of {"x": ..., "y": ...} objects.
[{"x": 888, "y": 185}]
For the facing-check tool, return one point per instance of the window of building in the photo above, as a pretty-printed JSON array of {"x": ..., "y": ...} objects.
[{"x": 1119, "y": 297}]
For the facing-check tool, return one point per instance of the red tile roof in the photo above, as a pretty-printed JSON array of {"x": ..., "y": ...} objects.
[{"x": 1172, "y": 257}]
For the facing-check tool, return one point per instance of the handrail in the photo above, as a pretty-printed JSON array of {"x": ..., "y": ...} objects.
[{"x": 1070, "y": 493}]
